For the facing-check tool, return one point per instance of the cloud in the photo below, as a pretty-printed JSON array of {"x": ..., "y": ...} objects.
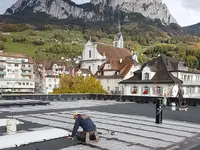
[
  {"x": 191, "y": 4},
  {"x": 184, "y": 11}
]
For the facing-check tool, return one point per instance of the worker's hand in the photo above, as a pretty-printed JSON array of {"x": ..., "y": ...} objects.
[{"x": 70, "y": 137}]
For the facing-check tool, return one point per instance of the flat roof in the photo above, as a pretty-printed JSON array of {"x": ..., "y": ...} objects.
[{"x": 132, "y": 125}]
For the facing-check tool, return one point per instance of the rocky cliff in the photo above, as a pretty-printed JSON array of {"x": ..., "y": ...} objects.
[{"x": 95, "y": 10}]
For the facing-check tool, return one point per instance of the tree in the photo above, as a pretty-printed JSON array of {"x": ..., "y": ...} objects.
[
  {"x": 77, "y": 84},
  {"x": 192, "y": 62},
  {"x": 2, "y": 45}
]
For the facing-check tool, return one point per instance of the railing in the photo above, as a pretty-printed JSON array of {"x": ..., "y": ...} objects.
[
  {"x": 2, "y": 67},
  {"x": 13, "y": 61},
  {"x": 26, "y": 68},
  {"x": 2, "y": 72},
  {"x": 26, "y": 73},
  {"x": 71, "y": 97},
  {"x": 191, "y": 82},
  {"x": 16, "y": 79}
]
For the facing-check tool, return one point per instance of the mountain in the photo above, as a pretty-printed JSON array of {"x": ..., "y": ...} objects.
[
  {"x": 193, "y": 29},
  {"x": 96, "y": 10}
]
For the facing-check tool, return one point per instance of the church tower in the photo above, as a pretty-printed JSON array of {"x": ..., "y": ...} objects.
[{"x": 118, "y": 39}]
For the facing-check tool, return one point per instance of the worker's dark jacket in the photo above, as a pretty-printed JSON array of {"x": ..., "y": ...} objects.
[{"x": 85, "y": 122}]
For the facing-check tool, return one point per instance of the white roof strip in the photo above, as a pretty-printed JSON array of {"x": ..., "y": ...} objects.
[
  {"x": 3, "y": 122},
  {"x": 24, "y": 138}
]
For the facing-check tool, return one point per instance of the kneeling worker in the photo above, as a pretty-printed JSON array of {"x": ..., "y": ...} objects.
[{"x": 89, "y": 128}]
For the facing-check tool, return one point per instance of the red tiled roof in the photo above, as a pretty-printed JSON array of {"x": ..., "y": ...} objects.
[{"x": 112, "y": 53}]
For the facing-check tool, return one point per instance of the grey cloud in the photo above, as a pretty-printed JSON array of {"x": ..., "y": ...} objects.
[{"x": 191, "y": 4}]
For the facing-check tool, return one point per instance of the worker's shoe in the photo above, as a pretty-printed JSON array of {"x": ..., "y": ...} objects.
[
  {"x": 87, "y": 138},
  {"x": 96, "y": 136}
]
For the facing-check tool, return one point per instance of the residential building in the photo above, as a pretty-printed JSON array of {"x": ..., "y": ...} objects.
[
  {"x": 49, "y": 74},
  {"x": 81, "y": 72},
  {"x": 16, "y": 73},
  {"x": 112, "y": 72},
  {"x": 161, "y": 76}
]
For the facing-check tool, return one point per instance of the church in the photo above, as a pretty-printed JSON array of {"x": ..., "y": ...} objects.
[{"x": 110, "y": 63}]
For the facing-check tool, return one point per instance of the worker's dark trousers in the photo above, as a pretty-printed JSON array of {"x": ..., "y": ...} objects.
[
  {"x": 81, "y": 135},
  {"x": 181, "y": 101}
]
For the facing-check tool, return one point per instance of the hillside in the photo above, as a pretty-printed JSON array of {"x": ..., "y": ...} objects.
[
  {"x": 193, "y": 29},
  {"x": 43, "y": 36}
]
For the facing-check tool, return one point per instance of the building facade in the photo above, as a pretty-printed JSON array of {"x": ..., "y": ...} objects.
[
  {"x": 162, "y": 76},
  {"x": 16, "y": 73},
  {"x": 49, "y": 74}
]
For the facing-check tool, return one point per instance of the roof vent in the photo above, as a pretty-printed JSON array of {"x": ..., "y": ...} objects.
[{"x": 120, "y": 61}]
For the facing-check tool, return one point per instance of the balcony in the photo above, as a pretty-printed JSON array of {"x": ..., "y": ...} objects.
[
  {"x": 26, "y": 73},
  {"x": 2, "y": 67},
  {"x": 27, "y": 68},
  {"x": 13, "y": 61},
  {"x": 2, "y": 73},
  {"x": 191, "y": 82}
]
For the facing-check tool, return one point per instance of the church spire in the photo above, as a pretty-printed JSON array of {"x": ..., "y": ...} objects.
[
  {"x": 118, "y": 40},
  {"x": 119, "y": 26}
]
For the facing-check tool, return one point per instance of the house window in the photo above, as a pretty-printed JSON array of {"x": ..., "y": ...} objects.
[
  {"x": 98, "y": 67},
  {"x": 146, "y": 90},
  {"x": 49, "y": 85},
  {"x": 134, "y": 90},
  {"x": 90, "y": 54},
  {"x": 117, "y": 89},
  {"x": 16, "y": 65},
  {"x": 49, "y": 80},
  {"x": 27, "y": 83},
  {"x": 89, "y": 68},
  {"x": 108, "y": 81},
  {"x": 158, "y": 91},
  {"x": 146, "y": 76},
  {"x": 9, "y": 70},
  {"x": 108, "y": 88}
]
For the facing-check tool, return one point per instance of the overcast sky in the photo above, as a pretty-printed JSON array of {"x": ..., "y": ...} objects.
[{"x": 186, "y": 12}]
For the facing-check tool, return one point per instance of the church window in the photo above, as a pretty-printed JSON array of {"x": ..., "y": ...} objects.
[{"x": 90, "y": 54}]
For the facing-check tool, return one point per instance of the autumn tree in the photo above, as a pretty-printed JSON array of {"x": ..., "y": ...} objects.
[
  {"x": 2, "y": 45},
  {"x": 78, "y": 84}
]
